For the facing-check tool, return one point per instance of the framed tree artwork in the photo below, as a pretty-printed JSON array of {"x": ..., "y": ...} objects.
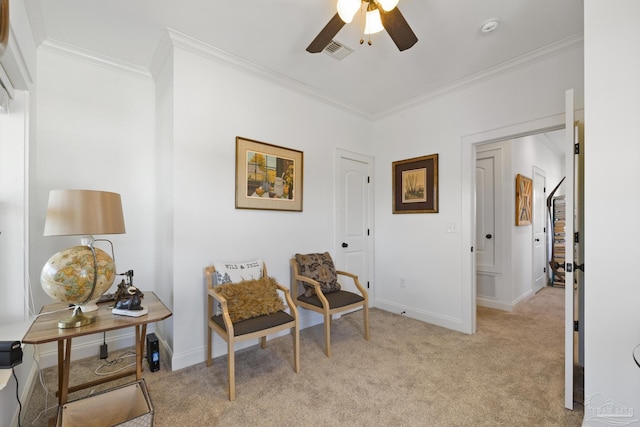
[
  {"x": 524, "y": 197},
  {"x": 415, "y": 185}
]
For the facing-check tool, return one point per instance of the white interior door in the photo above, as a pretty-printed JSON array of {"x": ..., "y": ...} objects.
[
  {"x": 539, "y": 230},
  {"x": 488, "y": 177},
  {"x": 353, "y": 216}
]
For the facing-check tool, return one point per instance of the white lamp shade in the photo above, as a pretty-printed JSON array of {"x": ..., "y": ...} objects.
[
  {"x": 83, "y": 212},
  {"x": 373, "y": 24},
  {"x": 347, "y": 9},
  {"x": 387, "y": 5}
]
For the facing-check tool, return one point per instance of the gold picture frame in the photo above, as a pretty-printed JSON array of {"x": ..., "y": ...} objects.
[
  {"x": 415, "y": 185},
  {"x": 4, "y": 26},
  {"x": 268, "y": 176},
  {"x": 524, "y": 198}
]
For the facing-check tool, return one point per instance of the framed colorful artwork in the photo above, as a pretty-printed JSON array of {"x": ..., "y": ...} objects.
[{"x": 268, "y": 176}]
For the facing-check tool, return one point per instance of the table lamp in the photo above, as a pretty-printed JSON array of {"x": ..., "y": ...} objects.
[{"x": 81, "y": 274}]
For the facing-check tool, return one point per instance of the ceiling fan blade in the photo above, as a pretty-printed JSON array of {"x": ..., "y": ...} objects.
[
  {"x": 326, "y": 35},
  {"x": 398, "y": 28}
]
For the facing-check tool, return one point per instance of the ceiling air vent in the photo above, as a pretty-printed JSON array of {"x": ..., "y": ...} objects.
[{"x": 337, "y": 50}]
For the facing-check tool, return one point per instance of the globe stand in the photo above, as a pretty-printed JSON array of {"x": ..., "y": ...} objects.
[{"x": 77, "y": 319}]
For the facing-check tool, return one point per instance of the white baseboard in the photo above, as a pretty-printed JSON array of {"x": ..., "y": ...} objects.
[
  {"x": 496, "y": 304},
  {"x": 425, "y": 316},
  {"x": 503, "y": 305}
]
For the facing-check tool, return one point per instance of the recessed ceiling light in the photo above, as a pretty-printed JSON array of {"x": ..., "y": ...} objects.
[{"x": 489, "y": 25}]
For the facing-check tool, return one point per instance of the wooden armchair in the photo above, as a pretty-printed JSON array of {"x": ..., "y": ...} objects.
[
  {"x": 323, "y": 294},
  {"x": 244, "y": 304}
]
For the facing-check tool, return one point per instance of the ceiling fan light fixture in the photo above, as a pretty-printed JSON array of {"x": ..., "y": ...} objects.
[
  {"x": 388, "y": 5},
  {"x": 373, "y": 22},
  {"x": 347, "y": 9}
]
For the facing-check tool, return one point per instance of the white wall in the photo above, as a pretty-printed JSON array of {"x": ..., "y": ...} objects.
[
  {"x": 612, "y": 147},
  {"x": 436, "y": 264},
  {"x": 95, "y": 131},
  {"x": 164, "y": 191},
  {"x": 213, "y": 104}
]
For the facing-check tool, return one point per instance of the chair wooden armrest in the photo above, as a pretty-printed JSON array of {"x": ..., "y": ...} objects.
[
  {"x": 300, "y": 278},
  {"x": 287, "y": 296},
  {"x": 356, "y": 281},
  {"x": 213, "y": 293}
]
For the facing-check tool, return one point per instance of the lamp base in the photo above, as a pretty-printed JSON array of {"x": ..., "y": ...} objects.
[{"x": 76, "y": 320}]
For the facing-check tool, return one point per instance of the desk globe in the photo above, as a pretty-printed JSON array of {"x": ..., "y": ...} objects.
[{"x": 68, "y": 276}]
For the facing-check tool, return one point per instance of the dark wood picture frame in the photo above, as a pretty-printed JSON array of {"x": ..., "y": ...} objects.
[
  {"x": 524, "y": 199},
  {"x": 415, "y": 185},
  {"x": 268, "y": 176}
]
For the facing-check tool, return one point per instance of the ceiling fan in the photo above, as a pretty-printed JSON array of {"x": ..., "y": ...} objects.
[{"x": 381, "y": 14}]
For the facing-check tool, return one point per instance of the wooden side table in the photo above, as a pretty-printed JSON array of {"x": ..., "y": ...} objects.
[{"x": 45, "y": 329}]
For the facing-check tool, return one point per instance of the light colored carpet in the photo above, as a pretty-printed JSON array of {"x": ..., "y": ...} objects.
[{"x": 409, "y": 374}]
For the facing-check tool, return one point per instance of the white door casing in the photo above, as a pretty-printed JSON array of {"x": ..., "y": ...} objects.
[
  {"x": 539, "y": 230},
  {"x": 569, "y": 255},
  {"x": 354, "y": 240}
]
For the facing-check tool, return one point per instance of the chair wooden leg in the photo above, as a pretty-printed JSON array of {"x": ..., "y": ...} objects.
[
  {"x": 263, "y": 342},
  {"x": 209, "y": 345},
  {"x": 366, "y": 322},
  {"x": 327, "y": 335},
  {"x": 231, "y": 370},
  {"x": 296, "y": 348}
]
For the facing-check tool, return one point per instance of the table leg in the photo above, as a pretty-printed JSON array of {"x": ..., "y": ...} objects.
[
  {"x": 141, "y": 334},
  {"x": 64, "y": 362},
  {"x": 60, "y": 361}
]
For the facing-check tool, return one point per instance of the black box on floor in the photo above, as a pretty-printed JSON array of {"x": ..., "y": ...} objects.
[
  {"x": 153, "y": 352},
  {"x": 10, "y": 354}
]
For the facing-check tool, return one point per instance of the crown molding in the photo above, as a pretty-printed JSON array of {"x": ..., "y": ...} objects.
[
  {"x": 176, "y": 39},
  {"x": 197, "y": 47},
  {"x": 553, "y": 49},
  {"x": 75, "y": 52}
]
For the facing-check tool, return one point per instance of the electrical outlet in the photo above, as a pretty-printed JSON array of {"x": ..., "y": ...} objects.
[{"x": 402, "y": 283}]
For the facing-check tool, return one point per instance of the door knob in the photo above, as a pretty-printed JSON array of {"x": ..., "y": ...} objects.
[
  {"x": 488, "y": 236},
  {"x": 537, "y": 240},
  {"x": 345, "y": 245}
]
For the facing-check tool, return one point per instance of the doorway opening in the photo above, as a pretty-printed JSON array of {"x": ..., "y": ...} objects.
[{"x": 511, "y": 256}]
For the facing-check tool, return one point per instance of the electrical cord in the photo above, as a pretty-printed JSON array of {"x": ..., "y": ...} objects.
[
  {"x": 55, "y": 311},
  {"x": 115, "y": 362},
  {"x": 18, "y": 398},
  {"x": 46, "y": 392}
]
